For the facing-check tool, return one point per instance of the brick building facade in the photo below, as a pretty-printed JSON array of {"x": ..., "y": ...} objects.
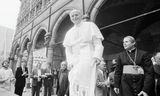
[{"x": 44, "y": 23}]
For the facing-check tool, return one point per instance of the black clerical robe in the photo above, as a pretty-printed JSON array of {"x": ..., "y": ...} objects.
[{"x": 131, "y": 84}]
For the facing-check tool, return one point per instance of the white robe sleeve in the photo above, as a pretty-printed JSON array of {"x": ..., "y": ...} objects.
[
  {"x": 97, "y": 41},
  {"x": 98, "y": 50},
  {"x": 69, "y": 58},
  {"x": 68, "y": 47}
]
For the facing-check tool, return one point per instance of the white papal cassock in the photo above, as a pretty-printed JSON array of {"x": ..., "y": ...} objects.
[{"x": 82, "y": 43}]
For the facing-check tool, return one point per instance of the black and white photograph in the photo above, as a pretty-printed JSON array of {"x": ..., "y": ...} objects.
[{"x": 80, "y": 48}]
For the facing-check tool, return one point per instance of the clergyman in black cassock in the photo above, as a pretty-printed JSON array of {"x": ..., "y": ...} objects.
[{"x": 134, "y": 74}]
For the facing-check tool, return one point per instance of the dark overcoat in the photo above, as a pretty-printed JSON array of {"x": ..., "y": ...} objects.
[
  {"x": 20, "y": 80},
  {"x": 63, "y": 83}
]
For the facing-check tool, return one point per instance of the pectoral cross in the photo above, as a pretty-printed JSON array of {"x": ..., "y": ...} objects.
[{"x": 135, "y": 67}]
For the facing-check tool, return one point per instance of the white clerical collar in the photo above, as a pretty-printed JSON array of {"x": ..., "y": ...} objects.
[{"x": 131, "y": 50}]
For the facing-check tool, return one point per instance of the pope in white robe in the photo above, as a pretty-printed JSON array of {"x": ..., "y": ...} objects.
[{"x": 84, "y": 49}]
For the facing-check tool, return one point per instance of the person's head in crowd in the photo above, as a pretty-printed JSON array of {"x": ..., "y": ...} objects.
[
  {"x": 102, "y": 65},
  {"x": 129, "y": 43},
  {"x": 114, "y": 62},
  {"x": 157, "y": 58},
  {"x": 48, "y": 66},
  {"x": 5, "y": 64},
  {"x": 75, "y": 16},
  {"x": 39, "y": 65},
  {"x": 63, "y": 65},
  {"x": 23, "y": 63}
]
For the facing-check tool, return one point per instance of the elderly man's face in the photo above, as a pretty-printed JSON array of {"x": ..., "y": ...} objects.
[
  {"x": 75, "y": 17},
  {"x": 157, "y": 58},
  {"x": 102, "y": 66},
  {"x": 127, "y": 44},
  {"x": 6, "y": 64},
  {"x": 39, "y": 65},
  {"x": 23, "y": 64},
  {"x": 63, "y": 65}
]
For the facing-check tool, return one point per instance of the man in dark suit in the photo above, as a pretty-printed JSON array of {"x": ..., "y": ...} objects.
[
  {"x": 36, "y": 80},
  {"x": 134, "y": 73},
  {"x": 47, "y": 75},
  {"x": 101, "y": 81},
  {"x": 21, "y": 75},
  {"x": 63, "y": 83}
]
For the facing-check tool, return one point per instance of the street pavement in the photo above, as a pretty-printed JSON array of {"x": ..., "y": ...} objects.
[
  {"x": 5, "y": 92},
  {"x": 27, "y": 92}
]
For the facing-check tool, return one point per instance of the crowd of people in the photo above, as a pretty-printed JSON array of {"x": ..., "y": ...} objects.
[
  {"x": 85, "y": 73},
  {"x": 133, "y": 74}
]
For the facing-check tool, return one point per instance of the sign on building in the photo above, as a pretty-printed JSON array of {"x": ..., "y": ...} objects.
[{"x": 39, "y": 56}]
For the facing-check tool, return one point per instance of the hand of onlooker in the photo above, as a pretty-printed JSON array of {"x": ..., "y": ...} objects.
[
  {"x": 13, "y": 80},
  {"x": 35, "y": 76},
  {"x": 107, "y": 83},
  {"x": 24, "y": 74},
  {"x": 43, "y": 76},
  {"x": 47, "y": 74},
  {"x": 142, "y": 93},
  {"x": 116, "y": 90}
]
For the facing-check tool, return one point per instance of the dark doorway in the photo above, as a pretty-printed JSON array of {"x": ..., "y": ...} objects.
[
  {"x": 40, "y": 40},
  {"x": 25, "y": 44},
  {"x": 145, "y": 29},
  {"x": 59, "y": 52}
]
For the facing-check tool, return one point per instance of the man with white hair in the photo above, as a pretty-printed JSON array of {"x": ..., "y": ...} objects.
[
  {"x": 84, "y": 49},
  {"x": 63, "y": 83},
  {"x": 101, "y": 82},
  {"x": 134, "y": 73}
]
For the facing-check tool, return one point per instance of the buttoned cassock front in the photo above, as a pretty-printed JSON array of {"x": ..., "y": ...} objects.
[{"x": 132, "y": 84}]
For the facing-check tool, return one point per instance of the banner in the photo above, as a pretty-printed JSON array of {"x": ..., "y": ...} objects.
[{"x": 39, "y": 56}]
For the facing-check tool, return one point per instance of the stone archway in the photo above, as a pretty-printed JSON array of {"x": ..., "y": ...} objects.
[
  {"x": 107, "y": 12},
  {"x": 62, "y": 25},
  {"x": 40, "y": 39},
  {"x": 24, "y": 49},
  {"x": 110, "y": 12},
  {"x": 38, "y": 51},
  {"x": 39, "y": 34},
  {"x": 24, "y": 44},
  {"x": 16, "y": 52}
]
